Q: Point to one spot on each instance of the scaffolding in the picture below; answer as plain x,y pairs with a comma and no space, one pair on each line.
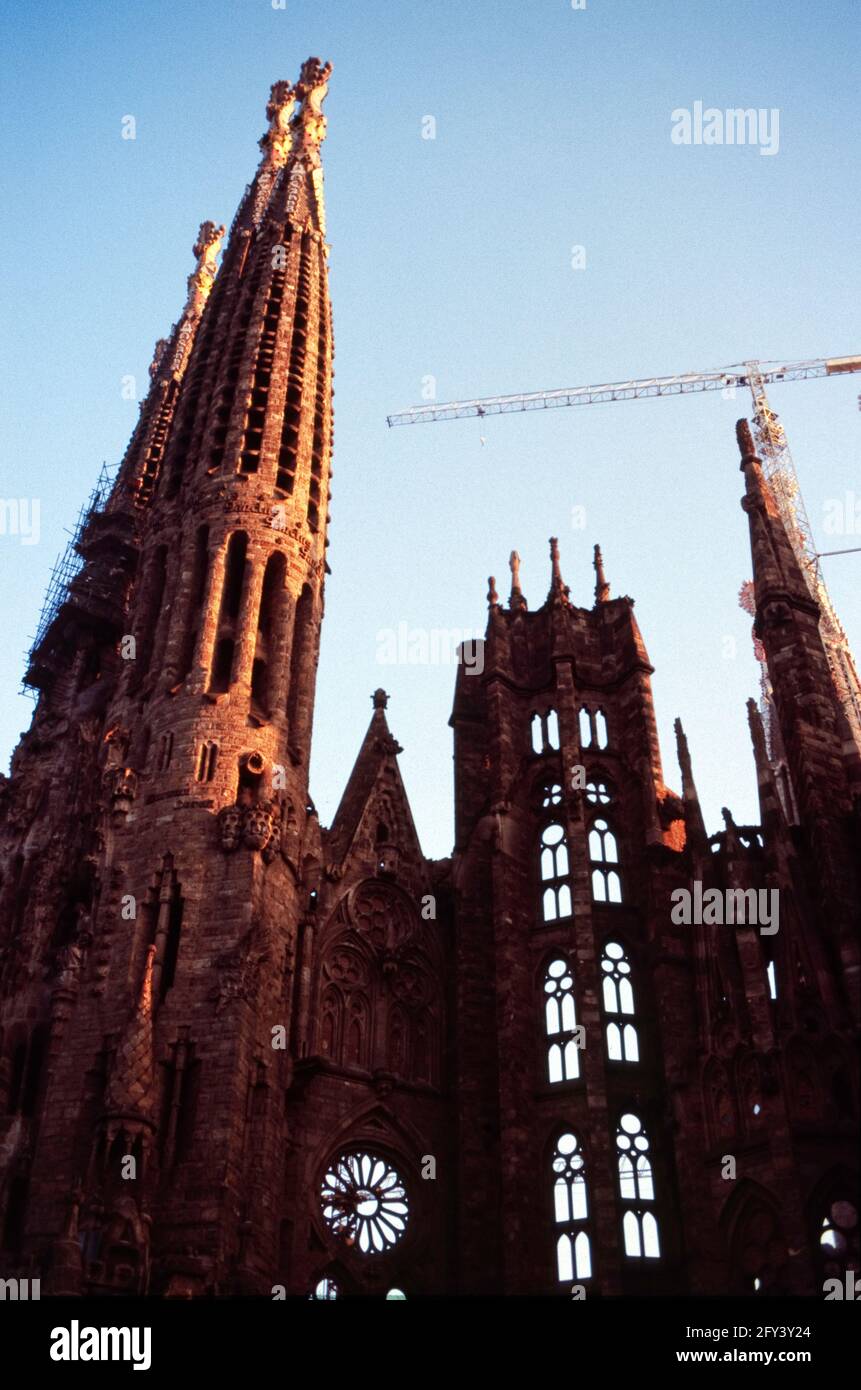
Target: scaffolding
68,565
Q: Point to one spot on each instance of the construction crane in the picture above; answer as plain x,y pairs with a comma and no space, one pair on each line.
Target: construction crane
773,449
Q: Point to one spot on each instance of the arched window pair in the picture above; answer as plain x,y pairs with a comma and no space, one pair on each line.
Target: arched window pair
545,732
640,1235
603,856
560,1014
618,995
555,868
560,1022
571,1210
636,1189
593,728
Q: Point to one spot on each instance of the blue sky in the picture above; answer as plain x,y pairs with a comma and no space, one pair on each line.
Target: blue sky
452,258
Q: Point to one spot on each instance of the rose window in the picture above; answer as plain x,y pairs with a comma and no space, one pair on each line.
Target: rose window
364,1201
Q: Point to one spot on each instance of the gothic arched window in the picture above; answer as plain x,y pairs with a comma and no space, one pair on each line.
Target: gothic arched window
636,1189
556,896
584,720
571,1210
560,1021
618,992
601,736
206,761
603,852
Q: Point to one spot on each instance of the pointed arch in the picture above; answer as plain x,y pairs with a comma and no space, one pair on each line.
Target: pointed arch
753,1234
331,1023
300,656
398,1045
271,621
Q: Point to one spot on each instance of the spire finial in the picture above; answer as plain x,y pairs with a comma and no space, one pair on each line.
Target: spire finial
492,595
278,139
380,699
557,585
694,822
682,748
516,600
747,448
206,249
602,588
309,121
757,735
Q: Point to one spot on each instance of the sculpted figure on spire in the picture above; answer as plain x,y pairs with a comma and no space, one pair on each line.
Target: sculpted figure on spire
206,249
310,122
276,143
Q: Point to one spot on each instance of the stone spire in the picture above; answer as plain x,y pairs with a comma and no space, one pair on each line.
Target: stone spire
602,588
694,823
813,725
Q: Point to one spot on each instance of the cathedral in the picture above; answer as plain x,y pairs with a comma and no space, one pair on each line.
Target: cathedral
242,1053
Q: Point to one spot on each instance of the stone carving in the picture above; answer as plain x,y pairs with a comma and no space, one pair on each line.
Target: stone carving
68,964
257,827
230,827
239,970
276,143
311,123
158,354
116,743
121,785
117,1243
206,249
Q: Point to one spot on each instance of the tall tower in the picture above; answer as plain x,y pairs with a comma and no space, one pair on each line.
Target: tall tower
158,840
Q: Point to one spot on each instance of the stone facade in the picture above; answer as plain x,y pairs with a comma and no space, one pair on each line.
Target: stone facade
241,1051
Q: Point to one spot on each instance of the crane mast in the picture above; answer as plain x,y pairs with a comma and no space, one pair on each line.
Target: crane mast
773,449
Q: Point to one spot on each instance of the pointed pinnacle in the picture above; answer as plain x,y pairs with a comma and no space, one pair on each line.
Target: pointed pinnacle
516,600
682,749
557,586
602,588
